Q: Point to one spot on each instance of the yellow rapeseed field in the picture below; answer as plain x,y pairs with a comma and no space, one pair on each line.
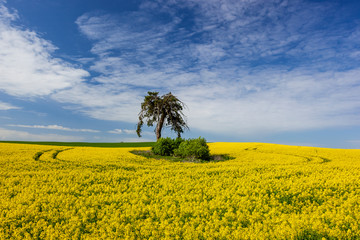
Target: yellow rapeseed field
267,192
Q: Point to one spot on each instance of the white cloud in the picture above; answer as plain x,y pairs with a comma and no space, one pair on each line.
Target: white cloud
121,131
54,127
106,102
27,67
293,100
136,139
7,106
12,135
116,131
5,14
128,131
133,49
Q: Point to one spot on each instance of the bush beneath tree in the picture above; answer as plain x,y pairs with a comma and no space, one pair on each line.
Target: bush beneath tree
191,148
166,146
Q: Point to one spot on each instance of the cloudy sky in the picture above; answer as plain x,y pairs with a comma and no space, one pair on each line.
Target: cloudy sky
248,70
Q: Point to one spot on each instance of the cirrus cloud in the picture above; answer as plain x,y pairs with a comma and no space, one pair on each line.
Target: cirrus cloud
54,127
7,106
13,135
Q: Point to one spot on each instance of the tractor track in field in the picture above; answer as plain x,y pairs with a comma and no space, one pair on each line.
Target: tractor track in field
309,158
54,155
37,155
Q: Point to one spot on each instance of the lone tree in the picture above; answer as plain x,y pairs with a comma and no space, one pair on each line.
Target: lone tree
165,110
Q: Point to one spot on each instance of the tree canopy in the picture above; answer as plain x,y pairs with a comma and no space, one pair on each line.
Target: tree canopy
163,110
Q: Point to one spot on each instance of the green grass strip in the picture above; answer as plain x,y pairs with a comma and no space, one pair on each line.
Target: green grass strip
213,158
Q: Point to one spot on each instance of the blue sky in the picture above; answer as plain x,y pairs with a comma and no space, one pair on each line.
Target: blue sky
262,71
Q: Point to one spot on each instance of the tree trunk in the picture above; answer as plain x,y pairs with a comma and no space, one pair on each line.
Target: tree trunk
159,126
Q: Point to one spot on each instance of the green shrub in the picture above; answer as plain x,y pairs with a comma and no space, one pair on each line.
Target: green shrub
166,146
193,148
177,142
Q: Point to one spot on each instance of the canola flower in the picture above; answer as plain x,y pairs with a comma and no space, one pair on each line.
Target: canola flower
267,192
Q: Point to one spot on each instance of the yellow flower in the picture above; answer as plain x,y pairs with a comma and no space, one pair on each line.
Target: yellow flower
267,191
